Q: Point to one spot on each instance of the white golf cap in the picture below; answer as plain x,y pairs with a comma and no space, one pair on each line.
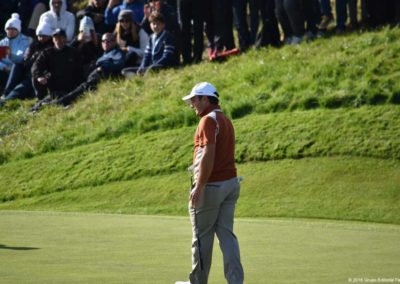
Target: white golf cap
202,89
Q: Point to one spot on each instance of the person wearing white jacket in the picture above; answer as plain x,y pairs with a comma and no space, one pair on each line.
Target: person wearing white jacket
60,18
11,67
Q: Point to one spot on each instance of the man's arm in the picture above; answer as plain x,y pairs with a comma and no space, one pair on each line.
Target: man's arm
205,168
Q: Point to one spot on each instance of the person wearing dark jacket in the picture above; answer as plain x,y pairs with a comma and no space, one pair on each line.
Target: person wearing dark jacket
107,66
87,43
58,70
160,51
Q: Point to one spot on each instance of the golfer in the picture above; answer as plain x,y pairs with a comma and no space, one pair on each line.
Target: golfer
215,188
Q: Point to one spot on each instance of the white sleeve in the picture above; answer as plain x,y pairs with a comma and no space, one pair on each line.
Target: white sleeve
143,40
70,31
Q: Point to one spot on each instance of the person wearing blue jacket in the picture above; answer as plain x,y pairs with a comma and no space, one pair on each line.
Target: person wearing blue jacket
161,49
113,9
24,89
108,65
11,67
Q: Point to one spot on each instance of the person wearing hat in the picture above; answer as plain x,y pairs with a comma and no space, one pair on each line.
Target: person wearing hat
131,38
60,18
215,187
57,70
95,10
11,68
8,7
114,8
87,43
43,40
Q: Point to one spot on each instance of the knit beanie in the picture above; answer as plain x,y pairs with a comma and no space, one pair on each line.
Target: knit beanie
44,29
14,22
86,24
126,15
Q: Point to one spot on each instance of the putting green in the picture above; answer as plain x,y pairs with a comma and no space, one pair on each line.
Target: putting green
46,247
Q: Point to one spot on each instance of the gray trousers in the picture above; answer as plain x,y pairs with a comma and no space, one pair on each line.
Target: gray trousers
214,215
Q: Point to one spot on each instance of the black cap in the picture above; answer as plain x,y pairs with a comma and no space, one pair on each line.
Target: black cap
60,32
126,15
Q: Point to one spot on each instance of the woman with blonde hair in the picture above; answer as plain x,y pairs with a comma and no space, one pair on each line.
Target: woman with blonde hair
131,38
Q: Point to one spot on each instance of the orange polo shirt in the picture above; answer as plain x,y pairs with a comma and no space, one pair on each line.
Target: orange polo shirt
222,135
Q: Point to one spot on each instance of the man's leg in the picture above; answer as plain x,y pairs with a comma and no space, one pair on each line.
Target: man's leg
203,231
224,229
185,17
90,85
240,19
14,78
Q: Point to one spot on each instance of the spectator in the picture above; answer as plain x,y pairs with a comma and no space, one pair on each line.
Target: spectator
191,21
240,16
113,9
108,65
38,7
8,7
254,20
312,14
327,16
160,51
290,15
169,15
60,18
58,70
343,9
382,12
11,67
218,19
131,38
269,34
96,10
24,89
342,15
87,44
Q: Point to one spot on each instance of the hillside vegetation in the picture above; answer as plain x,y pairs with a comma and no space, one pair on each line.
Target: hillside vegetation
317,136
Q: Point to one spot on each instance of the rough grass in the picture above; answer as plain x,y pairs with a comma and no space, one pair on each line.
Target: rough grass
343,72
362,189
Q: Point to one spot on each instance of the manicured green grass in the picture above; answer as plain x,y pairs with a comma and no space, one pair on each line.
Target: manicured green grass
44,248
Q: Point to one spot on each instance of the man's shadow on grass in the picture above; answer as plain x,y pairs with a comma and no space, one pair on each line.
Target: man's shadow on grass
16,248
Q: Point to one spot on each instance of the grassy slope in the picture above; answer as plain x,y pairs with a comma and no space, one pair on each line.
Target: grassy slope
135,135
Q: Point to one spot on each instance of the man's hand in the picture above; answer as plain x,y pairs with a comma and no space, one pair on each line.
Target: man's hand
195,195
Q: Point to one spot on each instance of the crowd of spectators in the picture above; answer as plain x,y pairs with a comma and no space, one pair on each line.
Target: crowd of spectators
53,54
